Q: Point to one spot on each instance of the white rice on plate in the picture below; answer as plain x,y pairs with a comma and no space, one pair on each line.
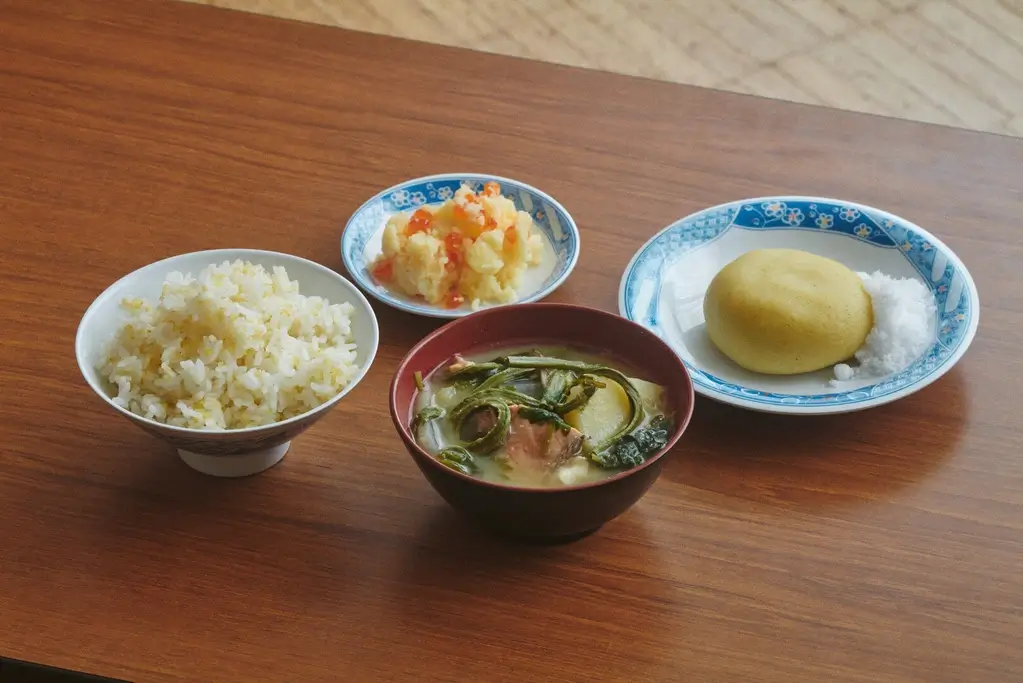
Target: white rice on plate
238,346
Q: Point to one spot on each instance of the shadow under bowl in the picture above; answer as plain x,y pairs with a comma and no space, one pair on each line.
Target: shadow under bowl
544,514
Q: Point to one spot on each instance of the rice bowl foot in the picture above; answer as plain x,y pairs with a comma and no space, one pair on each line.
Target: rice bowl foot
233,466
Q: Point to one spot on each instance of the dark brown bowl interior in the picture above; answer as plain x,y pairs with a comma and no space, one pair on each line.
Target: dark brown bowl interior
543,514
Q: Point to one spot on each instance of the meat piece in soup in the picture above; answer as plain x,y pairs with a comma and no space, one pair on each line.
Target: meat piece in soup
539,418
539,446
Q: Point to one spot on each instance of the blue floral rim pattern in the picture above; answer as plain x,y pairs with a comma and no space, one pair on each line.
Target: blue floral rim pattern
548,215
954,291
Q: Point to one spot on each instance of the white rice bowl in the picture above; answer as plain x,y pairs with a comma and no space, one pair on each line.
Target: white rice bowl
234,347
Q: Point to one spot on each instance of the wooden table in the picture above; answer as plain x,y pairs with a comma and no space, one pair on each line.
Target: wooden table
881,546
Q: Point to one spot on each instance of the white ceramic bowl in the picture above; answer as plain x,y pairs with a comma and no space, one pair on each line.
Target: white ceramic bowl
238,452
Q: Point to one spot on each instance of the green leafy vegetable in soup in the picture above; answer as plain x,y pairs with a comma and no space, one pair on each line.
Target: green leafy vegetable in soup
539,418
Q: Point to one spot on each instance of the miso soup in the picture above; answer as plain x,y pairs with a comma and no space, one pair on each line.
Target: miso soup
546,417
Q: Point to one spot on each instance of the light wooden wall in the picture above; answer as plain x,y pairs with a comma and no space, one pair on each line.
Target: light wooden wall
956,62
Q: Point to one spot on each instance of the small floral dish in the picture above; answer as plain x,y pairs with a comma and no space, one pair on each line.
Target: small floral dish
663,289
231,452
361,241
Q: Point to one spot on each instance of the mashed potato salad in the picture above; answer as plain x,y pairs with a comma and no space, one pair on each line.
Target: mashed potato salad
235,347
472,248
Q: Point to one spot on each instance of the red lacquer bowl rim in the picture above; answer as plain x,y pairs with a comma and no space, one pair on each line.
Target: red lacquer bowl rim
406,436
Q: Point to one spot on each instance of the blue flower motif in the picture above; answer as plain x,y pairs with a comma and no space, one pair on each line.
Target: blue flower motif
773,209
848,214
417,198
888,223
906,246
445,193
400,197
824,221
863,230
793,217
942,289
926,246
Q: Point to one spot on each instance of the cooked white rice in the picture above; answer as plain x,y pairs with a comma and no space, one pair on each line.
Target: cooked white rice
235,347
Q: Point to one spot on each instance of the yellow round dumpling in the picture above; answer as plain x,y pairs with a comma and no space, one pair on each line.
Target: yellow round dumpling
785,311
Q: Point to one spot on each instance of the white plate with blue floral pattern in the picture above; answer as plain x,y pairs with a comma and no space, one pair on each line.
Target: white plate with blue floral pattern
361,239
664,285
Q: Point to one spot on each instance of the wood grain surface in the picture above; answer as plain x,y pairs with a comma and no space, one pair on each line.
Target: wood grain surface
955,62
880,546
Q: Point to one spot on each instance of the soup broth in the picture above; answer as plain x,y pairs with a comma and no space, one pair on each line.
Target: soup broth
539,417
